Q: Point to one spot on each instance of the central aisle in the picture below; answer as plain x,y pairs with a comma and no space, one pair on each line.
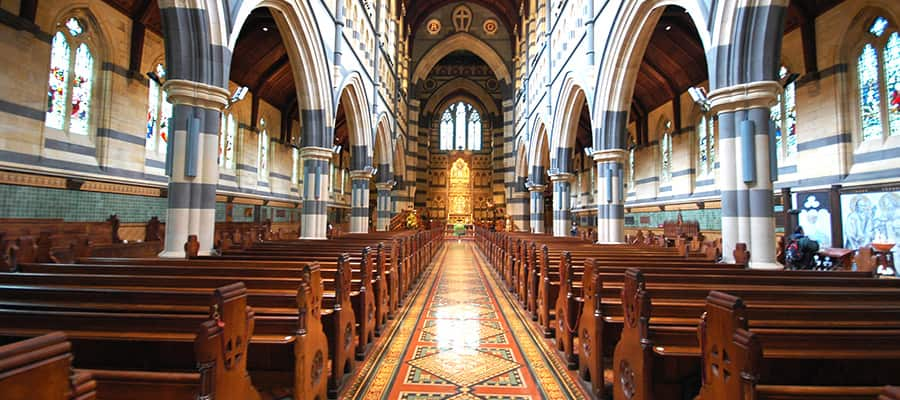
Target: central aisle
461,337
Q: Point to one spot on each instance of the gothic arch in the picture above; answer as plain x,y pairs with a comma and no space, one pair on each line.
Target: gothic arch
383,151
461,41
538,154
301,39
356,107
624,53
439,97
565,122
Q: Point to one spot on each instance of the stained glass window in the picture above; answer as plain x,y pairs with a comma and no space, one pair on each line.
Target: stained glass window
784,114
630,168
460,137
263,150
447,131
879,62
869,96
71,80
460,128
665,146
878,26
892,80
474,139
159,111
295,166
59,82
226,141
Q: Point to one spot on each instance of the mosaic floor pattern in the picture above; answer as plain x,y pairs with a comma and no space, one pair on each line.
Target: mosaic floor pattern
461,337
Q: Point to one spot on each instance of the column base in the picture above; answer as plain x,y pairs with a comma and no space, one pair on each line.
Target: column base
773,266
609,243
172,254
312,238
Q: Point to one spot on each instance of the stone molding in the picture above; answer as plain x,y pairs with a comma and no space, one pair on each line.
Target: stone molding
611,155
762,94
361,174
180,91
537,188
316,153
562,177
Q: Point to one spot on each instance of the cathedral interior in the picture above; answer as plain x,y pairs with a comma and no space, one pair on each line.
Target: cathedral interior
191,126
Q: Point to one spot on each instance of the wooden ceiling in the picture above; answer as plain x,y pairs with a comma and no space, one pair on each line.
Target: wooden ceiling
261,63
674,61
800,11
417,11
143,11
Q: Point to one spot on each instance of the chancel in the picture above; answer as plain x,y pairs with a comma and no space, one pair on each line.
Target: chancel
449,199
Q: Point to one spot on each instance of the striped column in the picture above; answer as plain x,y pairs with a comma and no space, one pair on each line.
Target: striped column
359,201
191,165
745,170
384,206
517,206
316,189
562,203
537,208
610,195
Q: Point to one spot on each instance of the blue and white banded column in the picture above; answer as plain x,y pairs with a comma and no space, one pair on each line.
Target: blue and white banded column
383,206
562,203
610,195
537,208
359,201
316,189
747,170
192,164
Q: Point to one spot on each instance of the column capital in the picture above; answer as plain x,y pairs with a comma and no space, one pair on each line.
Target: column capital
610,155
361,174
384,185
761,94
537,188
180,91
318,153
562,177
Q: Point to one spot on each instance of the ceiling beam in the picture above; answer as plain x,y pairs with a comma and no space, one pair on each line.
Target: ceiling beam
264,77
138,31
28,10
807,36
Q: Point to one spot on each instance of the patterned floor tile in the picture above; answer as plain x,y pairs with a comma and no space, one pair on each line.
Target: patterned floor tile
464,368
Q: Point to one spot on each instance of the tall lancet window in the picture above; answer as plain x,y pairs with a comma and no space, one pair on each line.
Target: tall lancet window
159,111
461,128
70,88
878,81
665,147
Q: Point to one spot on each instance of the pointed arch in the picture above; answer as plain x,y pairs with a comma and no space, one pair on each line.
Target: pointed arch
462,41
307,56
565,122
624,53
383,155
538,154
356,106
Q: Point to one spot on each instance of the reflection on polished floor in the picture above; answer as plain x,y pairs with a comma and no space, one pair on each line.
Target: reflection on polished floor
461,338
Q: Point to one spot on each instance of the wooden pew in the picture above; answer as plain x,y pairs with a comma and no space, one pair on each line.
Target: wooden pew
659,349
219,340
733,356
273,292
40,368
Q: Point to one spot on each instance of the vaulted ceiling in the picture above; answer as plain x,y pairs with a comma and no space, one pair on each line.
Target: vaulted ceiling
143,11
261,62
674,61
417,11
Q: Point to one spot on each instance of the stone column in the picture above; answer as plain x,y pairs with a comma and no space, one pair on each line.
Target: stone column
537,208
192,164
384,206
746,171
517,205
359,201
562,203
316,191
610,195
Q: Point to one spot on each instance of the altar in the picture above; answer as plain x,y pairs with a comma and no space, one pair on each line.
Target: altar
459,193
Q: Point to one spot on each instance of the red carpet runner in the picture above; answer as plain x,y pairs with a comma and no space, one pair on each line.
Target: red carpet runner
461,337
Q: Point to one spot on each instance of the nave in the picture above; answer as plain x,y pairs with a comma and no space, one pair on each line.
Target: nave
463,337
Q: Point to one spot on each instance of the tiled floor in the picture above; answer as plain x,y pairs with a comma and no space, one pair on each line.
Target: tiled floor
460,337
